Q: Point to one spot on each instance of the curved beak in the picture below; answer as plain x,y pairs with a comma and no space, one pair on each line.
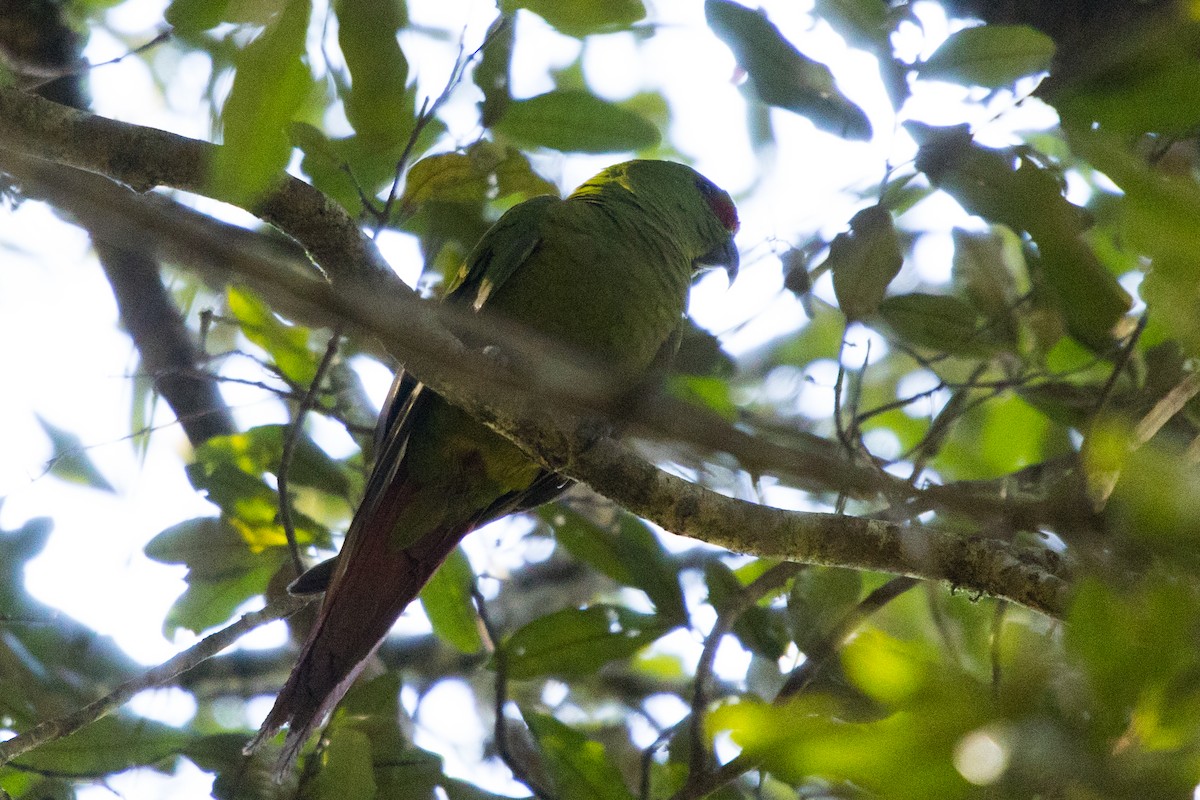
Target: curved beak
724,255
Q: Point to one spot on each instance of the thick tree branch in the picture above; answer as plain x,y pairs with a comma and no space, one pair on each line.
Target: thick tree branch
158,331
513,397
144,158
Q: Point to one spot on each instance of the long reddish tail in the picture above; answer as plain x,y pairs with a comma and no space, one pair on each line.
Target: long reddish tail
369,591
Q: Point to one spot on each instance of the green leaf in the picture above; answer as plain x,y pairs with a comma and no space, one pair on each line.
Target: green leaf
447,601
208,546
346,767
626,551
819,598
110,744
990,55
863,23
575,121
1016,187
580,766
938,322
286,344
575,642
864,261
492,73
449,177
760,629
206,603
580,17
70,461
260,450
984,270
193,16
377,103
272,81
781,75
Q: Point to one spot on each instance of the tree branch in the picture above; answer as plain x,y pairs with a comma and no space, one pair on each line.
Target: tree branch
156,676
144,158
533,398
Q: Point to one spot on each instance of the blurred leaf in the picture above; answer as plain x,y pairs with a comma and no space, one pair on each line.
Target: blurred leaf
580,766
863,23
580,17
781,75
70,461
492,73
346,767
819,598
286,344
626,551
990,55
1145,80
983,270
224,571
270,85
575,121
711,393
700,354
447,602
110,744
516,176
193,16
938,322
576,642
864,261
1014,187
207,546
377,105
761,630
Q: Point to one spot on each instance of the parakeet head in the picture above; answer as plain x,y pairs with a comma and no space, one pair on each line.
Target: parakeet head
692,208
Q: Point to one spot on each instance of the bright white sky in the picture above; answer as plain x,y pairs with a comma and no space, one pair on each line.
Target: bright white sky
68,362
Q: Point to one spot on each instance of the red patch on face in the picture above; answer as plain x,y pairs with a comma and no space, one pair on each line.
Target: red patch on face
722,207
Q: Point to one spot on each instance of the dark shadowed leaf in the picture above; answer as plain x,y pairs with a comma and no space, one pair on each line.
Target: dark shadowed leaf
625,550
492,74
760,629
578,641
937,322
863,23
783,76
110,744
864,261
580,766
1018,188
990,55
576,121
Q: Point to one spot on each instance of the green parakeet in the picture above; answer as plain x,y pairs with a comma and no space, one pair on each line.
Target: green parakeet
606,271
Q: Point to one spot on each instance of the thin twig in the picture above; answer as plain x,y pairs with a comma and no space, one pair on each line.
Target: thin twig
500,734
799,679
289,448
764,584
165,672
426,115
